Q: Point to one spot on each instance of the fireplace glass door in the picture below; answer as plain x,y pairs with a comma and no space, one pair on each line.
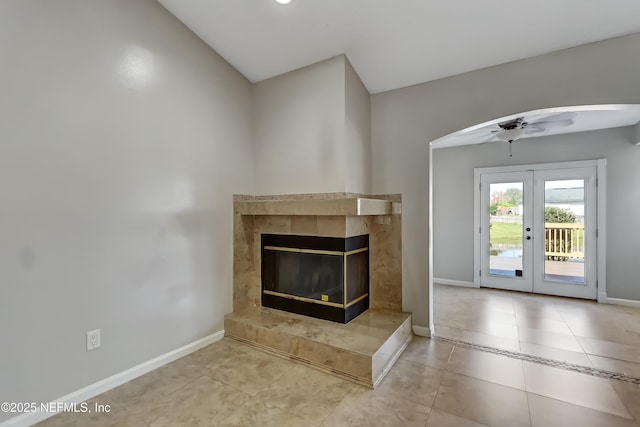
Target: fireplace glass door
323,277
316,276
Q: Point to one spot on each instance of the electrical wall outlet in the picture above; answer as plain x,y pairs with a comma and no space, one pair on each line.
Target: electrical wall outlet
93,340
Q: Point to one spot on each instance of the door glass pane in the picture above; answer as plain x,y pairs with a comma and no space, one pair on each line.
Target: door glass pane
505,229
564,231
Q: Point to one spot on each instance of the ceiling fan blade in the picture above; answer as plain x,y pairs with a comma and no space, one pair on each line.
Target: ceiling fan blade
530,131
551,124
567,115
490,139
484,130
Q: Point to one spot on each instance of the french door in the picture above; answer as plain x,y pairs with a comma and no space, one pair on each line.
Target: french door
538,231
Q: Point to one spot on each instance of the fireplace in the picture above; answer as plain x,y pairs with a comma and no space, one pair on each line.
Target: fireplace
322,277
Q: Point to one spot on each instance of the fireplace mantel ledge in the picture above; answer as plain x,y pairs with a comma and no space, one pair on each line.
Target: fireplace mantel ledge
356,206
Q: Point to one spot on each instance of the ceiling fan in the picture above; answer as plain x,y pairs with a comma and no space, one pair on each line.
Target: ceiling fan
514,129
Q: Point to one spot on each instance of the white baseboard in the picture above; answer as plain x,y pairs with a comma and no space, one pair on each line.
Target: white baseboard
455,283
625,302
422,331
113,381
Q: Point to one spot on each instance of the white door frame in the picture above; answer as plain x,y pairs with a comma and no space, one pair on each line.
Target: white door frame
601,221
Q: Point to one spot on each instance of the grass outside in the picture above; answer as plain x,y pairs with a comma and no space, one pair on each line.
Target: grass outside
503,233
509,233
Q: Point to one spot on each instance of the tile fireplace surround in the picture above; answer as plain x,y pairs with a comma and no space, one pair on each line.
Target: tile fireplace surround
362,350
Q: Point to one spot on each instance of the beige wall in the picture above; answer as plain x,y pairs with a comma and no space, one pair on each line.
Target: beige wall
454,211
405,120
358,133
313,131
299,130
122,139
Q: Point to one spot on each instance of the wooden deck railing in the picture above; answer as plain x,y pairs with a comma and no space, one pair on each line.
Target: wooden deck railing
563,241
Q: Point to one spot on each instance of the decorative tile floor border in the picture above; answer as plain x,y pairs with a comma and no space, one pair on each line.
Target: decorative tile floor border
601,373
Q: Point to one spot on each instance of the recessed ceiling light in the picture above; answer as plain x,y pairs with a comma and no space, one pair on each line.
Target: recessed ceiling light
284,1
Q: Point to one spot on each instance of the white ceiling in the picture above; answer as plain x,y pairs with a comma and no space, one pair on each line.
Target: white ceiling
397,43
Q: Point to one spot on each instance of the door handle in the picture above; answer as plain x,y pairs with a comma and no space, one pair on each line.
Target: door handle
528,237
528,229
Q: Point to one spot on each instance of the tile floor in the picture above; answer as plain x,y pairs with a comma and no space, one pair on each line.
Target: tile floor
432,384
574,331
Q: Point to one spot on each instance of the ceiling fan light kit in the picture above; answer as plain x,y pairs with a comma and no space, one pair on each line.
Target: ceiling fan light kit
510,135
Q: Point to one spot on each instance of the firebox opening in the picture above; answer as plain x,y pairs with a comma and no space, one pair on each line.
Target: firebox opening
322,277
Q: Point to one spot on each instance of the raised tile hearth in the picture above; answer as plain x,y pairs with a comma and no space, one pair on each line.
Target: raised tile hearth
361,351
